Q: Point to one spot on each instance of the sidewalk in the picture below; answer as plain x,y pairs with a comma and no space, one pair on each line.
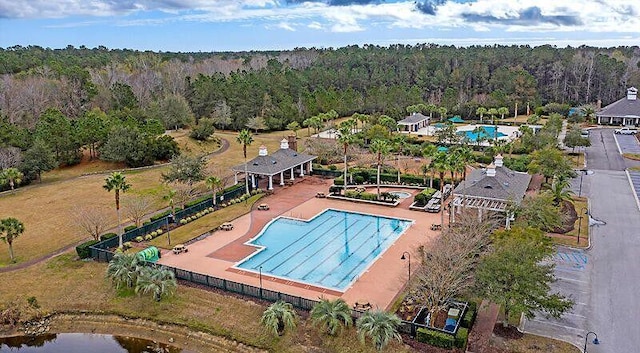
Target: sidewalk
483,328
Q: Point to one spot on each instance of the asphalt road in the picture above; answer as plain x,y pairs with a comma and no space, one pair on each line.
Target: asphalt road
605,287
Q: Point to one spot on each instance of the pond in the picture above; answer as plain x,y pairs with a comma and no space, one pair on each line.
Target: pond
84,342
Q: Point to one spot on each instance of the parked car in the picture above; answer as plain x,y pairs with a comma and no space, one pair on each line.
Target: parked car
626,131
584,133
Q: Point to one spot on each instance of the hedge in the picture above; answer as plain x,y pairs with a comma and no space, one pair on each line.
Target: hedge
361,195
424,196
460,339
470,316
106,236
435,338
131,227
83,249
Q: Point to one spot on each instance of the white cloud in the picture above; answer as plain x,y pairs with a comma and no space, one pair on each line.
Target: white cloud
315,25
286,26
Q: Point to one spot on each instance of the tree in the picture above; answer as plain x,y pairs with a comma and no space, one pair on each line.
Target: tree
493,112
481,111
203,130
128,145
256,123
388,122
214,184
448,269
118,183
550,162
380,326
175,111
381,148
38,159
502,111
222,115
574,138
294,127
137,208
10,229
346,138
539,211
440,163
278,317
55,128
158,281
516,276
430,151
92,220
185,169
560,191
245,139
331,315
11,176
123,269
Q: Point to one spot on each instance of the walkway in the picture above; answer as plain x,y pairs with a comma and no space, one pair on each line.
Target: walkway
482,330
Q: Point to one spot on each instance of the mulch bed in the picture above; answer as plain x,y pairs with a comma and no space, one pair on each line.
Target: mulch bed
510,332
570,214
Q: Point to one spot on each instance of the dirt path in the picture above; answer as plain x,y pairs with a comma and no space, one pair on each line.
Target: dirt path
224,146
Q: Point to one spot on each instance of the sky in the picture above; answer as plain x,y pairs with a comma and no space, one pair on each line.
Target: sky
242,25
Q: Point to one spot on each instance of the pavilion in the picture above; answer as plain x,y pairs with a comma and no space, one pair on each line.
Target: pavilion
283,163
413,123
492,189
625,111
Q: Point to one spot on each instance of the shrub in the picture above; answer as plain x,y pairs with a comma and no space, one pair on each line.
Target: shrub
154,234
127,245
338,181
189,219
435,338
333,167
148,237
210,209
106,236
131,227
358,179
159,231
470,316
460,339
139,239
83,249
183,221
198,215
145,223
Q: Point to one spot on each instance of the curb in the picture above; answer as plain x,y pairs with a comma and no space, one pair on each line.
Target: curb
633,189
617,144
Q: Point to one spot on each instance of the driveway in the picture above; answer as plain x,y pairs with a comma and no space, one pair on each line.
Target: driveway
605,289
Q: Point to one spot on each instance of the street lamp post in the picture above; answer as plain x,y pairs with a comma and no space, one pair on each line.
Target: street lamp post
582,173
583,210
409,258
260,274
595,340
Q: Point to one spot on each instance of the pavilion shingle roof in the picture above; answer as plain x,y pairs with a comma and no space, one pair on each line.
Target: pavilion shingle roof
506,185
621,108
274,163
413,119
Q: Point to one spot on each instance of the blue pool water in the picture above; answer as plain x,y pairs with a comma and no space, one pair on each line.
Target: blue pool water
331,250
487,133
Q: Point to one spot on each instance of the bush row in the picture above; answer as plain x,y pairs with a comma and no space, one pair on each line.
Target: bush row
361,195
443,340
469,317
424,196
83,249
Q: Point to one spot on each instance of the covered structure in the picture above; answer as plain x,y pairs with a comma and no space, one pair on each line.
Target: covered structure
456,120
283,164
491,189
625,111
413,123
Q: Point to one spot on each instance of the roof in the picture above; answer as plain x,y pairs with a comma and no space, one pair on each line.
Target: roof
413,119
274,163
622,108
456,119
506,185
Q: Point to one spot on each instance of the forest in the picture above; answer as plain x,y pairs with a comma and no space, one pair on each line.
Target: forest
61,100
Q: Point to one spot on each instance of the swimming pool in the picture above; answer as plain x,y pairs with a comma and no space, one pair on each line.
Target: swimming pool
330,250
486,133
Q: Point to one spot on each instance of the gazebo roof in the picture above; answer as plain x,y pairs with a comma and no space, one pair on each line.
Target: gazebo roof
506,185
456,119
274,163
623,108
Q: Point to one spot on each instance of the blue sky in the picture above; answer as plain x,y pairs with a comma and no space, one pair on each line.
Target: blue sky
234,25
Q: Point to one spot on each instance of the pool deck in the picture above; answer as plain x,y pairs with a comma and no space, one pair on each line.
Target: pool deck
379,284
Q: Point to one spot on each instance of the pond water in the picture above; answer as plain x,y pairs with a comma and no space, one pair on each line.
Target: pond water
82,343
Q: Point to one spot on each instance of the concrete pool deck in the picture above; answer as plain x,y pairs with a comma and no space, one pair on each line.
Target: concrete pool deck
379,284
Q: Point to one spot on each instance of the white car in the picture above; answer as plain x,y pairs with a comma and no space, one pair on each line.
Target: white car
626,131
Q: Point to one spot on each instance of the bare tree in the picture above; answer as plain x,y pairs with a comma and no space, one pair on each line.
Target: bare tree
92,220
184,193
10,157
136,208
447,269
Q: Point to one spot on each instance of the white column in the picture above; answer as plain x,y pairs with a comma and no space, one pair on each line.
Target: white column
235,178
302,169
292,177
310,167
479,214
282,178
253,181
270,182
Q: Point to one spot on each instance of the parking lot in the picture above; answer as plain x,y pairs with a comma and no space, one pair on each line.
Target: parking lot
634,176
572,273
628,143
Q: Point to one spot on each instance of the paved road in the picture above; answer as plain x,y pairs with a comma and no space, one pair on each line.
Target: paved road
628,143
606,288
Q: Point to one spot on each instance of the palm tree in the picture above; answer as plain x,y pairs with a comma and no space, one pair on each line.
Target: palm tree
440,163
399,143
346,138
245,138
294,127
493,112
479,131
503,111
381,148
118,183
10,229
388,122
443,113
380,326
123,269
430,108
481,111
307,123
560,191
213,183
279,316
158,281
429,152
331,315
11,176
